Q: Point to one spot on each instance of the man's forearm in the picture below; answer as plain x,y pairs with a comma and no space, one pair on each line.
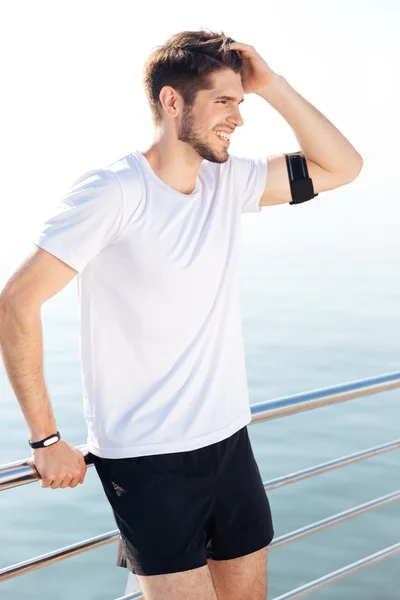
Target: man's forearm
319,140
21,349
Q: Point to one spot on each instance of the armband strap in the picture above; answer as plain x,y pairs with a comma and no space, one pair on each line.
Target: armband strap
301,186
49,441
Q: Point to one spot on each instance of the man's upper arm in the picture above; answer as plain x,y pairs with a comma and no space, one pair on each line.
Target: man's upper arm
40,276
277,188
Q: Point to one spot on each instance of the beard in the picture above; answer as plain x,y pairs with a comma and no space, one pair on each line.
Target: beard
187,133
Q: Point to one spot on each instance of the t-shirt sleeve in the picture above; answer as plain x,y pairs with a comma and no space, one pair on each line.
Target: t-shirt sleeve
88,218
250,176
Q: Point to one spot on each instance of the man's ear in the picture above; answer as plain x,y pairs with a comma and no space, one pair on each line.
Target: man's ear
171,101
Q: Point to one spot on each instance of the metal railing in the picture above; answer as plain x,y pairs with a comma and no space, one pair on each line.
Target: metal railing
23,472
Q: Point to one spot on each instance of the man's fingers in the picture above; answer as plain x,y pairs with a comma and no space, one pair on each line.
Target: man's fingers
245,48
46,482
57,483
50,482
62,483
74,482
65,482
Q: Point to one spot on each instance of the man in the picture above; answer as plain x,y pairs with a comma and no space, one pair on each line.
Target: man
154,240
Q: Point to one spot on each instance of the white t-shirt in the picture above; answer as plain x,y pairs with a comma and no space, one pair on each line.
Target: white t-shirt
161,346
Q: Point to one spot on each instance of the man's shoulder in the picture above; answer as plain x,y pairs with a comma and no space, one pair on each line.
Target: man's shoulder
131,180
124,165
128,172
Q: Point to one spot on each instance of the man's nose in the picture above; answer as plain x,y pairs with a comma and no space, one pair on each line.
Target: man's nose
236,118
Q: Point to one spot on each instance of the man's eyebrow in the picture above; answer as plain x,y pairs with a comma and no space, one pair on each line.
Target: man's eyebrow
228,98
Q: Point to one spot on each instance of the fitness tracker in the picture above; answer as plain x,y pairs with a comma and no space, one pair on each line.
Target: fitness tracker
49,441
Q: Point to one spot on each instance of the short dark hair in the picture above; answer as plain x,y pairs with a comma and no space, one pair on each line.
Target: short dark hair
185,62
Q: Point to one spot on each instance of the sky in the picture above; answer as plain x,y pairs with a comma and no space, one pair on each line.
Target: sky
73,99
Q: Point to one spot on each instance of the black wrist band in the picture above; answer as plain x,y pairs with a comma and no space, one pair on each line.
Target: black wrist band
49,441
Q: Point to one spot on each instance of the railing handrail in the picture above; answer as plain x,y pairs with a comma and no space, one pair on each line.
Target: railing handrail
289,405
23,472
329,465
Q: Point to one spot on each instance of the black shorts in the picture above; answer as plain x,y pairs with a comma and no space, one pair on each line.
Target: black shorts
176,510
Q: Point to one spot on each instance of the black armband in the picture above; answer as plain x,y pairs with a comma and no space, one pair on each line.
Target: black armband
301,185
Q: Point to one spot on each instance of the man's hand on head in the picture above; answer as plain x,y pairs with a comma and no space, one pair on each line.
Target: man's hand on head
256,74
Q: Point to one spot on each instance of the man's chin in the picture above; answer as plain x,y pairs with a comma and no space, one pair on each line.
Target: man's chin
220,157
223,158
207,152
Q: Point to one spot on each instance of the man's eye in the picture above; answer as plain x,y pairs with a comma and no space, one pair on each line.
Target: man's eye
222,101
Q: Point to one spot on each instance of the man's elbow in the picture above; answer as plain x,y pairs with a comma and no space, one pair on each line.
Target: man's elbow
356,169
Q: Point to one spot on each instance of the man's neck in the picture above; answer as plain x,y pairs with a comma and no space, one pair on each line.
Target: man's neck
174,165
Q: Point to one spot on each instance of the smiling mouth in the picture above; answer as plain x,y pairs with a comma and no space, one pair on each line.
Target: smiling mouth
223,140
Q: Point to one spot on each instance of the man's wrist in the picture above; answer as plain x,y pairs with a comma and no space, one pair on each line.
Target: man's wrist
37,435
273,87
